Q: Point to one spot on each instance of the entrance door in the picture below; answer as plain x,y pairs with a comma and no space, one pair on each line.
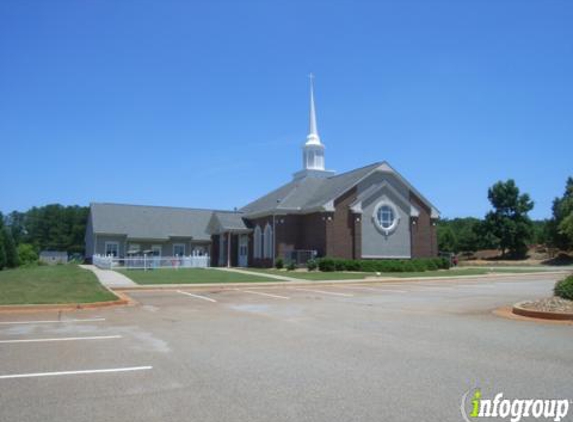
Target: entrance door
243,250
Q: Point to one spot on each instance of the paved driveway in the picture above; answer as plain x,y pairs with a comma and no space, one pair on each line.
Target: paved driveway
384,352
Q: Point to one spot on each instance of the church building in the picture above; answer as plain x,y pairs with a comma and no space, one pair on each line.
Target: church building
368,213
371,212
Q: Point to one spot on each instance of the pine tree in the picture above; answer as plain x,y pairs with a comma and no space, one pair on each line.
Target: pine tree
10,249
2,249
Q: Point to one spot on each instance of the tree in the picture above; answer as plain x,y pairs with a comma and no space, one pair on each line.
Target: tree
446,239
560,227
2,243
464,235
566,227
27,254
10,249
52,227
509,223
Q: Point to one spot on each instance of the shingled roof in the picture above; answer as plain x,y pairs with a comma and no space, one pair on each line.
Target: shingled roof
224,221
150,222
306,193
311,194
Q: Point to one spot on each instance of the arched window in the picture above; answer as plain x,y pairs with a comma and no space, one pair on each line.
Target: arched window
258,243
268,242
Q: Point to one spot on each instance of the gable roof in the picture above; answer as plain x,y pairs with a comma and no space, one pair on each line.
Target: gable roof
150,222
312,194
223,221
306,193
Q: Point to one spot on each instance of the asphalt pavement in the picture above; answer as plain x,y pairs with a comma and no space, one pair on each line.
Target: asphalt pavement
397,351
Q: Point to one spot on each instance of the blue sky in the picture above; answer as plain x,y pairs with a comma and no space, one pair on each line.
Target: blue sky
205,104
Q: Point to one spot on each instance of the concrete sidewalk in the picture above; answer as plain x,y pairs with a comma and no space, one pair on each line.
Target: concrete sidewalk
241,271
110,278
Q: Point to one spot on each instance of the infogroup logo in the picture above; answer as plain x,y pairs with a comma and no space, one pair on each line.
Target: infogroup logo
474,406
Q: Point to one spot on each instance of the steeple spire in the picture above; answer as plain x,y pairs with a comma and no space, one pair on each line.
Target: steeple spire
312,137
313,150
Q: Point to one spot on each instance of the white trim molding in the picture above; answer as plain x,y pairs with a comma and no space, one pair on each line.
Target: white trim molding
386,230
386,257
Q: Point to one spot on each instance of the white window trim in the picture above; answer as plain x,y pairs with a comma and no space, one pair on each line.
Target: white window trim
111,242
386,230
179,244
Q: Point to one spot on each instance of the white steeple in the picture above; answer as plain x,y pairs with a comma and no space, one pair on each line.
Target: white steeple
313,150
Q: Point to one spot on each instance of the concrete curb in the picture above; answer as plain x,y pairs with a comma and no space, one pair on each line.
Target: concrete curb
286,284
122,301
518,309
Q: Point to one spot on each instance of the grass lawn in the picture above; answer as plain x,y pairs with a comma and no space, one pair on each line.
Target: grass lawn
341,275
51,284
191,276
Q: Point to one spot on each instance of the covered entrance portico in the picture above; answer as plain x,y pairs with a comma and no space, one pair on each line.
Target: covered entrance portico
232,249
230,240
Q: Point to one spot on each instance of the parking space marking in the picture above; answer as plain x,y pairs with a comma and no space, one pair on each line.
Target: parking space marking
373,289
40,340
324,293
263,294
208,299
52,321
84,372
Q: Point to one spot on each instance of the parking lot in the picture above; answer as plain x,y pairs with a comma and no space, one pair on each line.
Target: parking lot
397,351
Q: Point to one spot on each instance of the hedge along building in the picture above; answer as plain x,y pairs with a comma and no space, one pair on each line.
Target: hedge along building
367,213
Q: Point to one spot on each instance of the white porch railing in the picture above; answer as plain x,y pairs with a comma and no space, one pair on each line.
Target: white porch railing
144,262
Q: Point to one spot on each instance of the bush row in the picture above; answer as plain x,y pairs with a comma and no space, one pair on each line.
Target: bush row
383,266
564,288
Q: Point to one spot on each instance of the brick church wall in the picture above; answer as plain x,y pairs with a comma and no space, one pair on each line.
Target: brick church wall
424,237
340,230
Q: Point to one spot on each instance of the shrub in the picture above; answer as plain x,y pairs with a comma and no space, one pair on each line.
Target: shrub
564,288
279,263
311,264
27,254
383,266
291,266
326,264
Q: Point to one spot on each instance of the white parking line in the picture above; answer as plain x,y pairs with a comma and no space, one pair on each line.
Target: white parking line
53,321
39,340
90,371
264,294
324,293
208,299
